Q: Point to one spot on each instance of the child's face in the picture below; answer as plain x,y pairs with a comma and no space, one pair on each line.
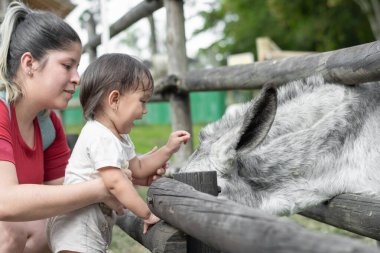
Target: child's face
132,106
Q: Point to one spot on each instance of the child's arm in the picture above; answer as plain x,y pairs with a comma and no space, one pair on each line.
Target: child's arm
148,164
122,188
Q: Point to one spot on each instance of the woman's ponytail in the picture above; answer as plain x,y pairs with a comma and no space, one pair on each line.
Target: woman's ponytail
15,14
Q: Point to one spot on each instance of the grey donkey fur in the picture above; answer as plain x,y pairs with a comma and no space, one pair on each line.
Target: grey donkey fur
295,147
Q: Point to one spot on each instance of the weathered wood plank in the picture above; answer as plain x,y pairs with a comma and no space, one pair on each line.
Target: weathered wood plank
206,182
358,214
230,227
351,65
144,9
161,238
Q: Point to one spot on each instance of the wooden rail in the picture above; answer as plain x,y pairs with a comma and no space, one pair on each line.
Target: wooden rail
229,227
142,10
353,65
358,214
161,238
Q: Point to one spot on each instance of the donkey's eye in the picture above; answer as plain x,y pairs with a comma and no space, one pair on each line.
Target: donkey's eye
201,136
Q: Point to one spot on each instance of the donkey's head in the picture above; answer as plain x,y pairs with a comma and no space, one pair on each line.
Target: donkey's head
224,142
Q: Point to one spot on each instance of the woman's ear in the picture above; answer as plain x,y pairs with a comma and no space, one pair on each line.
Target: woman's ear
113,99
26,63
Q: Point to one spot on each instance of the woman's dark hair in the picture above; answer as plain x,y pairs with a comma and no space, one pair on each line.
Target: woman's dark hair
24,30
111,72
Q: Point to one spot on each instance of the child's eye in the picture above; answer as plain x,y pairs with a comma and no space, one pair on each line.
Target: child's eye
67,66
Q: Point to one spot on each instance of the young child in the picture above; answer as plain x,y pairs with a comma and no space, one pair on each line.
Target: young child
113,93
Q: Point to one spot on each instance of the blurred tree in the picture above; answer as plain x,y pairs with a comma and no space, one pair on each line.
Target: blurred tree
315,25
372,10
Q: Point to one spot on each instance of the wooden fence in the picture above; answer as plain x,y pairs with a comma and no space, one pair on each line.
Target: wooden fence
223,225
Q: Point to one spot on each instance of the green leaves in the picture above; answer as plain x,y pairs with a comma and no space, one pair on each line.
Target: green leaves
315,25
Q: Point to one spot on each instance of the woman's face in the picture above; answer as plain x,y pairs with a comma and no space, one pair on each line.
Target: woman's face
55,78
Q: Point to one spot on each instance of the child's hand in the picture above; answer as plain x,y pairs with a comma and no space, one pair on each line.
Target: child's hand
152,219
176,139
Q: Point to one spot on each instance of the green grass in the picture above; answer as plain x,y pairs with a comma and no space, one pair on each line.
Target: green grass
145,138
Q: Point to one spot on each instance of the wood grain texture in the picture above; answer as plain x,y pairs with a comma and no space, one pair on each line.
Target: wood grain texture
351,65
161,238
355,213
233,228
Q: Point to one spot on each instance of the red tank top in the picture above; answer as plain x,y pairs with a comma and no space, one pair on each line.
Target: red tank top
33,165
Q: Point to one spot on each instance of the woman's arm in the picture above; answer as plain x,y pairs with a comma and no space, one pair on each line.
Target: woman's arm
58,181
24,202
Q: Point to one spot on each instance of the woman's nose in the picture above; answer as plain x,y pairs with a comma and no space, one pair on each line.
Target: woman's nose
75,78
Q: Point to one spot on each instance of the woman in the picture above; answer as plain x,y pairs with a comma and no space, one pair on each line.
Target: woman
40,54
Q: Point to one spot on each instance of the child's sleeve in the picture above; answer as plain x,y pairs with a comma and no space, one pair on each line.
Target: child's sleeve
106,151
129,147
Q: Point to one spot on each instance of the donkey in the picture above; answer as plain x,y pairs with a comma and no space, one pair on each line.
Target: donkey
296,146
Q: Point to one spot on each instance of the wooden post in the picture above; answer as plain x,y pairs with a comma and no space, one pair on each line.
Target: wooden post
3,9
204,182
153,37
177,65
267,50
91,33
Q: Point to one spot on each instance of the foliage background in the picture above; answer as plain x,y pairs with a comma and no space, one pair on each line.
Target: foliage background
313,25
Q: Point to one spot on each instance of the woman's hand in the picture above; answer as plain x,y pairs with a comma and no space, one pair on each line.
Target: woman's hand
159,172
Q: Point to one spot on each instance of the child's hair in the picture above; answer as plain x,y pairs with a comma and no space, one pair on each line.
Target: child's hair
111,72
24,30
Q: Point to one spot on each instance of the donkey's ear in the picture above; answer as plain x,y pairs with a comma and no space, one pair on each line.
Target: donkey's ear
258,119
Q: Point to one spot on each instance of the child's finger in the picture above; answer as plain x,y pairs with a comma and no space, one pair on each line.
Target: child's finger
145,228
185,138
182,133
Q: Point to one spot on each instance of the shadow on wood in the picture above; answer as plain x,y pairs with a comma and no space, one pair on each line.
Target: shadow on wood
233,228
161,238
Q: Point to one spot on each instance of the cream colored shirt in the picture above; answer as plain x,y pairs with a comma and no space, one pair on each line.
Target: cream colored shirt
97,147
